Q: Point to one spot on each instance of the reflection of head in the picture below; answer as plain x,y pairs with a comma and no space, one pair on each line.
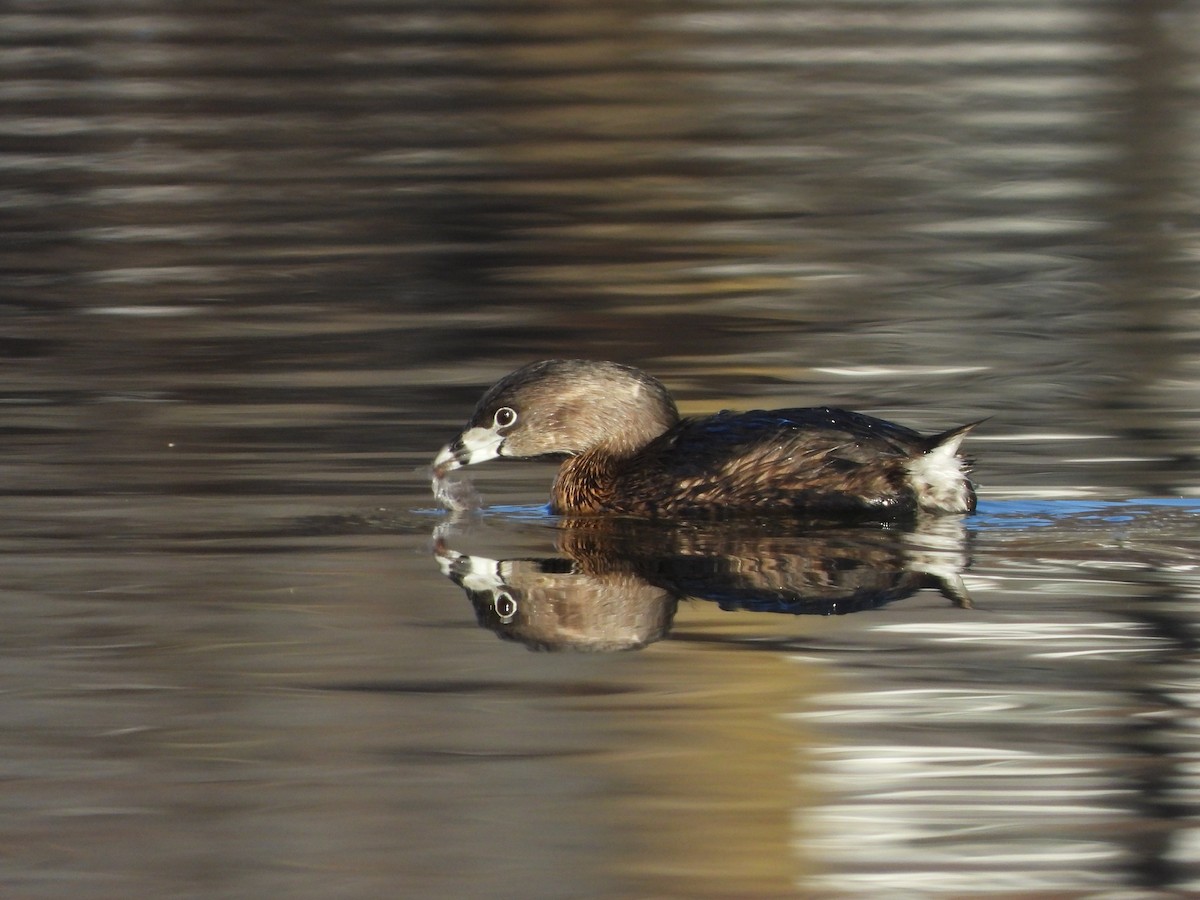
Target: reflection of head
548,605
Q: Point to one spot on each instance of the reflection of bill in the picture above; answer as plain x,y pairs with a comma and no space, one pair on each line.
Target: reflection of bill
616,583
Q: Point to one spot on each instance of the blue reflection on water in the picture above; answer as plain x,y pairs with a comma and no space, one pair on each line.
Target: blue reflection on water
1011,514
1007,514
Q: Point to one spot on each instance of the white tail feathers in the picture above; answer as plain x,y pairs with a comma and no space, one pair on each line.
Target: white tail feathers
939,475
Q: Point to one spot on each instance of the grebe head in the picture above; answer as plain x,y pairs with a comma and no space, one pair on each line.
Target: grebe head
562,407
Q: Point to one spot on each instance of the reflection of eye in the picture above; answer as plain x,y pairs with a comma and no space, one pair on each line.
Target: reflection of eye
506,606
505,416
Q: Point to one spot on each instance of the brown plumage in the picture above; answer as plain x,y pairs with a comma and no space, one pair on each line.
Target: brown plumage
629,453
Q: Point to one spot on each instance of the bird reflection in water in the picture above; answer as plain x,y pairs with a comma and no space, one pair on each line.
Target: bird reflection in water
614,584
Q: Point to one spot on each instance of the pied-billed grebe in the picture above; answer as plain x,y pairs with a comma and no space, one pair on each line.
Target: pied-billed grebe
629,453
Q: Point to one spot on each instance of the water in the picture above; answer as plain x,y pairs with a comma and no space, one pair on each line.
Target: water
259,263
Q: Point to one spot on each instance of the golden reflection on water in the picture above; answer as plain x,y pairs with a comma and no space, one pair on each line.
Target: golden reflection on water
711,772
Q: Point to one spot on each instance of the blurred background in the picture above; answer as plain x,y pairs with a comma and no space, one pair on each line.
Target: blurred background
935,210
260,260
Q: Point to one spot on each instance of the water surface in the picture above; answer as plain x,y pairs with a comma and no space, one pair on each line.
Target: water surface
259,263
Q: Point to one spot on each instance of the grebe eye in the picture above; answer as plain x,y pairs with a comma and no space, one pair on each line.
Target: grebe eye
505,417
505,606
